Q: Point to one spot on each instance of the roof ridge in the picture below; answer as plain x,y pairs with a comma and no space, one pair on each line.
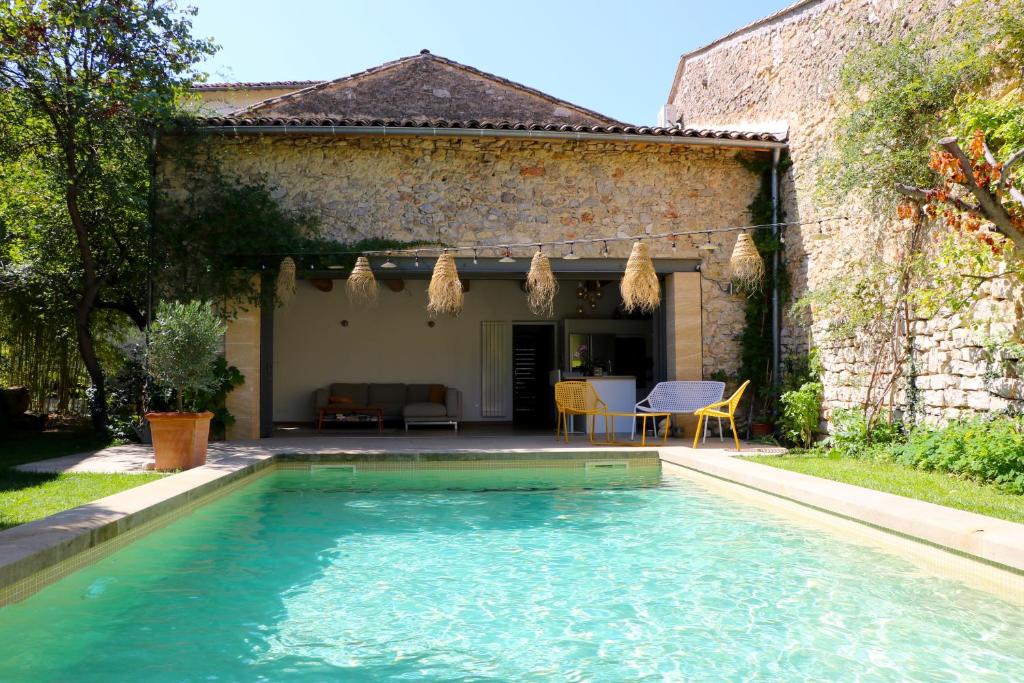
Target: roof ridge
427,55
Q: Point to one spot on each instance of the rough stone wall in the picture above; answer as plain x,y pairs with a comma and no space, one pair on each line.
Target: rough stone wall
786,69
487,191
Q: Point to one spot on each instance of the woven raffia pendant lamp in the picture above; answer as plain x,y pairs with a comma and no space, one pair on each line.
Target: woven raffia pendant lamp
362,285
286,279
746,263
445,291
541,286
640,288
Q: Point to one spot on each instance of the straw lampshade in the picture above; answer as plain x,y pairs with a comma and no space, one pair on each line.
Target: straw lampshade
541,286
640,289
286,279
445,290
362,285
746,263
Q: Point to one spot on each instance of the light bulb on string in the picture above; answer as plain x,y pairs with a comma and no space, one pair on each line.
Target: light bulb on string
571,256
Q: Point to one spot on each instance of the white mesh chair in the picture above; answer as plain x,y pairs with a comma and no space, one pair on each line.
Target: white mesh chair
681,397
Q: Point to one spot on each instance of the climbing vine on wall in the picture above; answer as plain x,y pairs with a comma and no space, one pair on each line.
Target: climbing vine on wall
756,337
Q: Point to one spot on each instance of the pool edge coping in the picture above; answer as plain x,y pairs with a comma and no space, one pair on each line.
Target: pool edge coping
988,539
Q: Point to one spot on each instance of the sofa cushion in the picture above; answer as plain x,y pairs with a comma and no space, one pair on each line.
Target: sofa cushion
357,393
417,393
426,409
387,394
437,393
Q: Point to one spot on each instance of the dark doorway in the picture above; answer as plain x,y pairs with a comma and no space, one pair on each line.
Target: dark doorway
533,360
631,359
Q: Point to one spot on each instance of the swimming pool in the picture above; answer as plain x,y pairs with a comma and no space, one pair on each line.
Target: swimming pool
553,574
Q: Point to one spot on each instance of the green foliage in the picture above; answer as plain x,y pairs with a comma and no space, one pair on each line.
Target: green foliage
801,413
83,86
756,338
904,94
226,378
854,434
185,340
985,450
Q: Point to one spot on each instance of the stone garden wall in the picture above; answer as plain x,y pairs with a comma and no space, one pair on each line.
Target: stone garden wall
486,191
784,71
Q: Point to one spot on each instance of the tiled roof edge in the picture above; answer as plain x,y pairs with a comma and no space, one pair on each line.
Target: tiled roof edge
321,122
253,85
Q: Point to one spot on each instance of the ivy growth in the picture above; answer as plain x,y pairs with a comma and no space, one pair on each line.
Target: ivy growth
756,338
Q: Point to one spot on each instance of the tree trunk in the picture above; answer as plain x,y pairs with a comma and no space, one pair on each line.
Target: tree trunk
87,349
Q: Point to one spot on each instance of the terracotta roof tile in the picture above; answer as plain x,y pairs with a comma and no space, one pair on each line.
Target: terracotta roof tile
328,122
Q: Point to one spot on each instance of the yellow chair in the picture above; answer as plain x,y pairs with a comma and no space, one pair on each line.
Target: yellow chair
726,409
577,398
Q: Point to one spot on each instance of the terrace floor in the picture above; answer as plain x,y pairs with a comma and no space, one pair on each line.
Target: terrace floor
471,439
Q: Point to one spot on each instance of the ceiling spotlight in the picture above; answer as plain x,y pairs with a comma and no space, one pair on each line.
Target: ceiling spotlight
571,256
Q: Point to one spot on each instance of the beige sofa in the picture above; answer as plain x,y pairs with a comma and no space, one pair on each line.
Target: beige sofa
413,404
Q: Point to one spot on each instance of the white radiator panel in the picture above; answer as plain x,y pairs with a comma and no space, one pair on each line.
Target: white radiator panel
496,361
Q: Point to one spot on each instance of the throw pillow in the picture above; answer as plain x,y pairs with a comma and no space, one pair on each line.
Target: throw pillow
437,393
339,400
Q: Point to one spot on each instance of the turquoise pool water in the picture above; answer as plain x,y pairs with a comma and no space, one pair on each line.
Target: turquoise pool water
483,576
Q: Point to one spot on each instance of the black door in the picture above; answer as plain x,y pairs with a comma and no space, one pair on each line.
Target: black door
533,359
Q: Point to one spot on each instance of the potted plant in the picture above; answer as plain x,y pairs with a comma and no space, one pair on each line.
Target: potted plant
185,339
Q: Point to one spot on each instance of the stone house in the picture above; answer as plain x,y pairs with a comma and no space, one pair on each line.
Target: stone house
427,149
782,73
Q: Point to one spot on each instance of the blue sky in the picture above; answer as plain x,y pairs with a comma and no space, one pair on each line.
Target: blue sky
615,57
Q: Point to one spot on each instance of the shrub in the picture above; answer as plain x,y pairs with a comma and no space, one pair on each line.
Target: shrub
185,340
225,379
852,436
990,451
801,413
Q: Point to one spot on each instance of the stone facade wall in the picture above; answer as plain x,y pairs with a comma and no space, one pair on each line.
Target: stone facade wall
785,70
487,191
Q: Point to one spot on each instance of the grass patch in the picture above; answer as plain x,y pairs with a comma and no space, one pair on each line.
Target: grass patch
933,487
27,496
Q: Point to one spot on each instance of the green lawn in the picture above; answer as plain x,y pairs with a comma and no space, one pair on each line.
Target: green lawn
25,496
933,487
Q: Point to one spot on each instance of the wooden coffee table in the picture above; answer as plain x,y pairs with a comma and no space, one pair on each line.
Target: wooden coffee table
343,410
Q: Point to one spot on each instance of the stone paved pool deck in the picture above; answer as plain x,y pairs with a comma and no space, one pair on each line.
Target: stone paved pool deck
139,457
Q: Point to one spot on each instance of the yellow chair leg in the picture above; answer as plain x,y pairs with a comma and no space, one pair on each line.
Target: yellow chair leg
735,436
558,425
696,437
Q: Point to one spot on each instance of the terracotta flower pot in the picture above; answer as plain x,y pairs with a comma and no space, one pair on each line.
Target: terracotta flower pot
179,439
761,429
